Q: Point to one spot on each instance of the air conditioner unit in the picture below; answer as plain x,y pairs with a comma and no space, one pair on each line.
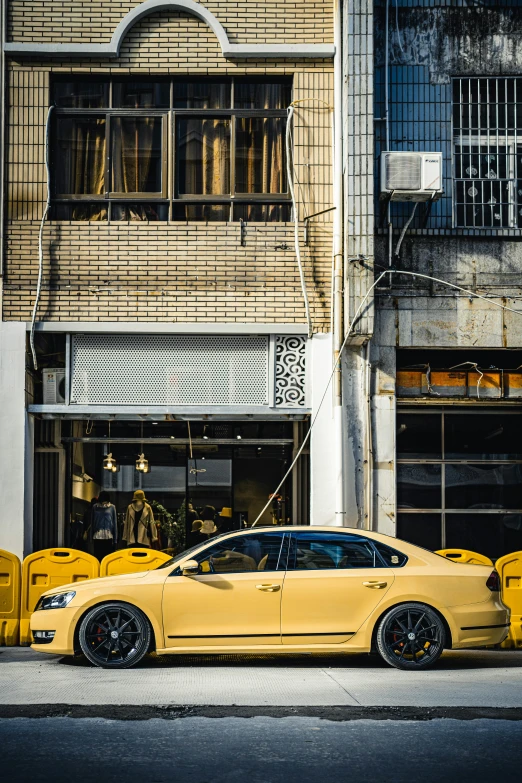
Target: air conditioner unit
53,386
411,176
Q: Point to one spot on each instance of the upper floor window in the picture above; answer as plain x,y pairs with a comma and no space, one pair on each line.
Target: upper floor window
178,149
487,129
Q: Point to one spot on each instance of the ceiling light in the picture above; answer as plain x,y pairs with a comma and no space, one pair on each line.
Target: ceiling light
142,464
109,463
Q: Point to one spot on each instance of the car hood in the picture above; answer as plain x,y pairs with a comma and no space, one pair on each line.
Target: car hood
104,581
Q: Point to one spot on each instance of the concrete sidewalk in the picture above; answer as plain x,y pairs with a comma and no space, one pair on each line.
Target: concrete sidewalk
460,679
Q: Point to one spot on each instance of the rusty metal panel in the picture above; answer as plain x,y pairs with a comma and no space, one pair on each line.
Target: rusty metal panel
410,383
512,384
447,383
487,384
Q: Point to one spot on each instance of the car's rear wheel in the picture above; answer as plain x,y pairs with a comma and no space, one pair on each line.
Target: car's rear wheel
115,635
411,636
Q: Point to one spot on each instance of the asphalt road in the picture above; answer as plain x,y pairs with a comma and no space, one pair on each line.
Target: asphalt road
257,750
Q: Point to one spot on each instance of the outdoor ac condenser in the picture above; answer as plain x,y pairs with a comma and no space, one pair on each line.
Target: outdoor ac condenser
53,386
411,176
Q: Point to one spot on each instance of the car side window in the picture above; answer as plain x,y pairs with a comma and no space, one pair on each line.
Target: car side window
252,552
312,551
390,557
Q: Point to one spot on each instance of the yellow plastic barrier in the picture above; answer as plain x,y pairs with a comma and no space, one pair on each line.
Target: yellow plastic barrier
50,568
126,561
9,598
510,569
465,556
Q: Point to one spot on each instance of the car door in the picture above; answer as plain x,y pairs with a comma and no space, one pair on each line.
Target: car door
333,583
235,599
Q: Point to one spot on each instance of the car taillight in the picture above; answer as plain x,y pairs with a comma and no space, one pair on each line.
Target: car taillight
493,582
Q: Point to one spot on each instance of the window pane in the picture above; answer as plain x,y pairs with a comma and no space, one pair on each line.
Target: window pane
80,211
312,551
419,436
203,156
419,486
201,95
484,486
390,556
260,155
257,95
243,553
79,156
263,213
81,95
136,155
420,529
483,436
150,212
141,95
489,534
209,212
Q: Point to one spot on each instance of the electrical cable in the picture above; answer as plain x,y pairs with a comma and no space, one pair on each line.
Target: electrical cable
387,271
403,232
40,236
334,370
397,26
296,221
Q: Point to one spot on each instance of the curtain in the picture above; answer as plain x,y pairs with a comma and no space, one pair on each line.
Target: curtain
80,163
136,155
204,156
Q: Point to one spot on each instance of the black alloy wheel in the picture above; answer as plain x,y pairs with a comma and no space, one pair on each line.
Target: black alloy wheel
115,636
411,636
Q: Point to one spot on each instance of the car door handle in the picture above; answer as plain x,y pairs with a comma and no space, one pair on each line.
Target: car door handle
269,588
375,585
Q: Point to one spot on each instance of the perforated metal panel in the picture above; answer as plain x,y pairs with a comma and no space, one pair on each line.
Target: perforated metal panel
169,370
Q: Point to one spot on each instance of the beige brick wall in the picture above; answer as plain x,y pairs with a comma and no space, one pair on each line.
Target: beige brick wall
176,271
256,21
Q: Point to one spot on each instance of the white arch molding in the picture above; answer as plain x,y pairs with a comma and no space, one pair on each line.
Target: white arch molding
148,7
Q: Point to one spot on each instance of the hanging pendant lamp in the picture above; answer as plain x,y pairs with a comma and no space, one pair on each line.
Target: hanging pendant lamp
109,463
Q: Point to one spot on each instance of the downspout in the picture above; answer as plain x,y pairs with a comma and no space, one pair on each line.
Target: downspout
337,276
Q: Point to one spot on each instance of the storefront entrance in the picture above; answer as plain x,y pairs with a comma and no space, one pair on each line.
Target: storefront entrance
188,471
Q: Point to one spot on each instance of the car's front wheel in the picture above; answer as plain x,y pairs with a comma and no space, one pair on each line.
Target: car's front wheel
411,636
115,635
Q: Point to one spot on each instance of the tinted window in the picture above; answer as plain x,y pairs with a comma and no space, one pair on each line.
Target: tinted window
391,557
311,551
255,552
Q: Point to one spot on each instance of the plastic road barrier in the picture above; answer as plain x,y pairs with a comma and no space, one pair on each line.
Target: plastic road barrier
510,569
126,561
50,568
465,556
10,576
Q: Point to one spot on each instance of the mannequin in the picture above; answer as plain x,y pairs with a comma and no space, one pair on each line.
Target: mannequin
139,529
104,526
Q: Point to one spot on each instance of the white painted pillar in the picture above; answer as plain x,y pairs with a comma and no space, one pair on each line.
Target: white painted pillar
324,468
15,443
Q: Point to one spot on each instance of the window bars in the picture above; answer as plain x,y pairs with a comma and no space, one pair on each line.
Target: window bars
487,152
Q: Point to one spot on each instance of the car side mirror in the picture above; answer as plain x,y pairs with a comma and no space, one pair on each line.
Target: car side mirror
190,568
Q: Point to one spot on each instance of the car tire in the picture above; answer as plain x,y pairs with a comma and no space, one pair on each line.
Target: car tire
411,636
115,635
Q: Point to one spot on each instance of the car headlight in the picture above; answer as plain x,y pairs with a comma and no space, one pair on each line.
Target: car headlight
58,601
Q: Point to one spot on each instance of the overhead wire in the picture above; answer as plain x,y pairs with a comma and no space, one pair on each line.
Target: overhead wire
387,271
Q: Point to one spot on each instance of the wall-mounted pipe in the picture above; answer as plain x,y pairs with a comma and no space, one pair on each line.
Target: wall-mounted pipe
337,263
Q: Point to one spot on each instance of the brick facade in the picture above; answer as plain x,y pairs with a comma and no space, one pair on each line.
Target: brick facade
166,271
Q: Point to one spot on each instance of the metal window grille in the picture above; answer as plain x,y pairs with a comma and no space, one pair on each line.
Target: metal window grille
487,152
169,370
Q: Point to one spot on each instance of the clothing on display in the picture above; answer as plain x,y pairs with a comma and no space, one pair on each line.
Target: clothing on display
139,528
104,527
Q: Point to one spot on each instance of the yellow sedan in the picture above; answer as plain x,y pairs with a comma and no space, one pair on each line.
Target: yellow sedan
280,590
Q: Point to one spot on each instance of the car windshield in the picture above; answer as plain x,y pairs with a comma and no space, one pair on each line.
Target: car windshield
182,555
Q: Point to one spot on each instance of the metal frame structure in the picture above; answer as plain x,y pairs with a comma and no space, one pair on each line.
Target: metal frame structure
170,195
487,124
443,462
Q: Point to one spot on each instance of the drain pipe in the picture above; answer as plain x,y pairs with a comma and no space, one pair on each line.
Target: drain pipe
337,276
